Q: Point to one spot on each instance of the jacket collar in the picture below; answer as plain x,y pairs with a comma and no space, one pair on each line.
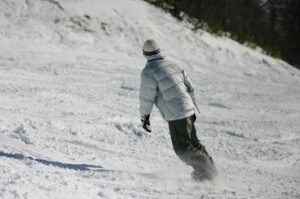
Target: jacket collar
154,57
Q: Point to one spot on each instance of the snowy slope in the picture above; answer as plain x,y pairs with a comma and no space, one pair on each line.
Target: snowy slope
69,121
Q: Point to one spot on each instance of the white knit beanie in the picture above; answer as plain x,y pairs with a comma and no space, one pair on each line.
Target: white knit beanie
150,48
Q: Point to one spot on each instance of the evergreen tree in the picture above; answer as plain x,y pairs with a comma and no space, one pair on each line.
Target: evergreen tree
274,25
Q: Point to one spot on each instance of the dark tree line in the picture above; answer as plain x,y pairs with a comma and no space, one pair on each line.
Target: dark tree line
273,25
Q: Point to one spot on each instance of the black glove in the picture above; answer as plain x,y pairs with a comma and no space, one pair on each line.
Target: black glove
194,117
146,122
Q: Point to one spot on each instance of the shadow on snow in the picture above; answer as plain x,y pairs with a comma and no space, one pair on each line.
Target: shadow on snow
78,167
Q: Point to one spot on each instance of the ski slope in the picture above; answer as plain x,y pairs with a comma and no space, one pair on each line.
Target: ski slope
69,119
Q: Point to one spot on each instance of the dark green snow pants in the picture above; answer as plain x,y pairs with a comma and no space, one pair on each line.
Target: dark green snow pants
189,149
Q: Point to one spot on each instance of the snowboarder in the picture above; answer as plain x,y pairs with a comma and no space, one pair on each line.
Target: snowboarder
167,86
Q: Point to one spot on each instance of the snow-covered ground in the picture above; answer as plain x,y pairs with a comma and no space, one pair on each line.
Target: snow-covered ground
69,120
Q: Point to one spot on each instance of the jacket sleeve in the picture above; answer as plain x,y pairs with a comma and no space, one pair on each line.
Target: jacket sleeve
189,85
148,92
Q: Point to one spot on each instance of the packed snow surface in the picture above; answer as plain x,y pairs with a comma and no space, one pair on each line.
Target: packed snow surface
69,119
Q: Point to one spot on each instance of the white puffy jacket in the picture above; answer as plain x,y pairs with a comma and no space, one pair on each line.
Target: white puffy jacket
164,84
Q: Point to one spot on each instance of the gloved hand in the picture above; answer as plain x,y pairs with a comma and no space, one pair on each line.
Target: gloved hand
146,122
194,117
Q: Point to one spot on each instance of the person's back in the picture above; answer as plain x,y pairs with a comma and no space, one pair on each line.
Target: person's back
171,95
